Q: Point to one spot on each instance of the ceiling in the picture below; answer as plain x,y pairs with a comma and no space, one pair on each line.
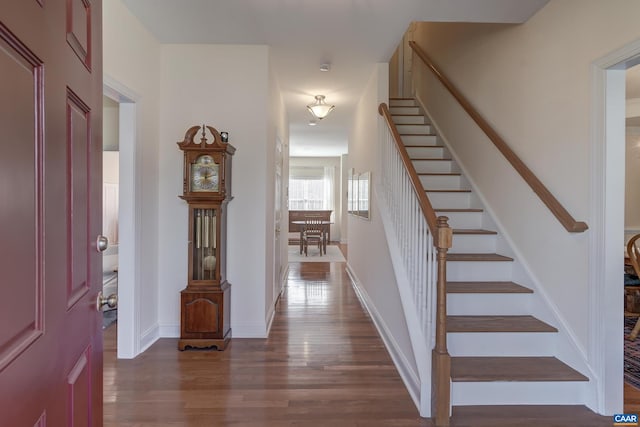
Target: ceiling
351,35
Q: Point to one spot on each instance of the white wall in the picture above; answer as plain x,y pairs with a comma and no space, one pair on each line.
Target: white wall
110,168
225,87
368,252
131,56
110,124
532,82
344,185
232,89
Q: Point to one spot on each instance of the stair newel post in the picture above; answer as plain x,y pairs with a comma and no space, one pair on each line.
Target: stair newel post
441,360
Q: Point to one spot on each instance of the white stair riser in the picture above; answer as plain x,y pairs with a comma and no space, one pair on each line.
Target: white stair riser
488,304
479,271
517,393
440,182
404,110
413,129
432,166
506,344
402,102
409,140
463,219
432,152
409,120
449,200
469,243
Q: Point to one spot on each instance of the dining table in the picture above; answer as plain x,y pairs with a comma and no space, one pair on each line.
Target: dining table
326,228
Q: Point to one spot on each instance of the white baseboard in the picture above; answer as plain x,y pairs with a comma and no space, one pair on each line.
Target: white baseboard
169,330
149,337
249,330
407,373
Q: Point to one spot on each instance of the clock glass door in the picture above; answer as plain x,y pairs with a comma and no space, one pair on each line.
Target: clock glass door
205,174
205,243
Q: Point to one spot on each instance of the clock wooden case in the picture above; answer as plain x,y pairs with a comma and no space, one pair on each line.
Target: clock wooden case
205,302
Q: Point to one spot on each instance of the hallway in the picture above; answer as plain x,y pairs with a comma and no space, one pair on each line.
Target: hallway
323,365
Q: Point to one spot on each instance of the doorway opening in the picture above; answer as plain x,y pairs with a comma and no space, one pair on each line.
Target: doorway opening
110,191
607,234
631,227
128,229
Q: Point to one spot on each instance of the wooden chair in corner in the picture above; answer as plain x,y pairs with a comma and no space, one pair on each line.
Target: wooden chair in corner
313,233
631,292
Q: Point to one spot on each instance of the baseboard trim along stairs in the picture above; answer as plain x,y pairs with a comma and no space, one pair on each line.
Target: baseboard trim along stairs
500,353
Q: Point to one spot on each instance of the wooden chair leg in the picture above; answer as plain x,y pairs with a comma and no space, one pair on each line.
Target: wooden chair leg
636,329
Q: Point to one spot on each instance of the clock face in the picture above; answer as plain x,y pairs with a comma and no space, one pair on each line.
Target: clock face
205,175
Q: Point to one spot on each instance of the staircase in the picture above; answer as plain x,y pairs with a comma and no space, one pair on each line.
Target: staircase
500,353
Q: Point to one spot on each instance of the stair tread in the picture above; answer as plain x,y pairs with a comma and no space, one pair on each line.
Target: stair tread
512,369
424,146
458,210
486,288
473,231
523,323
527,415
439,173
432,159
413,134
451,190
477,257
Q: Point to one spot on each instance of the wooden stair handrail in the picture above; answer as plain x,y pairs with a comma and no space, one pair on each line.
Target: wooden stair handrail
423,200
530,178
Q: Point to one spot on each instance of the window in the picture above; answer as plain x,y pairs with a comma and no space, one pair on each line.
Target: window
311,188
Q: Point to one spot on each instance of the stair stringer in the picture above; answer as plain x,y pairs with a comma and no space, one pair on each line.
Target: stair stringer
566,347
422,340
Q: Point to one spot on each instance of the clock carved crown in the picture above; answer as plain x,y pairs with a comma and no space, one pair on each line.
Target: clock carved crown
207,165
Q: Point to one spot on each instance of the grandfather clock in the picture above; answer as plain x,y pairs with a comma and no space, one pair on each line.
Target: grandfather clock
205,302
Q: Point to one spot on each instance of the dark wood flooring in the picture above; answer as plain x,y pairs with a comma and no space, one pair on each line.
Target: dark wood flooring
323,365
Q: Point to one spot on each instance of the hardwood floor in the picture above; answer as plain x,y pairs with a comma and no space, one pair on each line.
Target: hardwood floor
631,399
322,365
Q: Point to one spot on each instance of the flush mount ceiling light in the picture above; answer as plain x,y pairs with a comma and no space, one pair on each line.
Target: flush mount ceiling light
320,109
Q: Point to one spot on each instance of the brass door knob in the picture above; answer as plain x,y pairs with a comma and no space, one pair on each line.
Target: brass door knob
111,301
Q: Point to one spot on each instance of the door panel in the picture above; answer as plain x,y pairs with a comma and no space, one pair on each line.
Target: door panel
50,212
79,29
21,122
78,169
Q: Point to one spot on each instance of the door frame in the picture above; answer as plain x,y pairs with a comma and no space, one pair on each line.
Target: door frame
279,254
606,239
129,334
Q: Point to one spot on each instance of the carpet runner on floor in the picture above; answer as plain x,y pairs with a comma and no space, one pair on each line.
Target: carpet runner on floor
631,354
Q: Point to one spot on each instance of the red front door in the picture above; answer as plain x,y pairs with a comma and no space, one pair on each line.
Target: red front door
50,212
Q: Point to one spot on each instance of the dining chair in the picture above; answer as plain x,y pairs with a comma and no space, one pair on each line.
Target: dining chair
313,232
632,293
